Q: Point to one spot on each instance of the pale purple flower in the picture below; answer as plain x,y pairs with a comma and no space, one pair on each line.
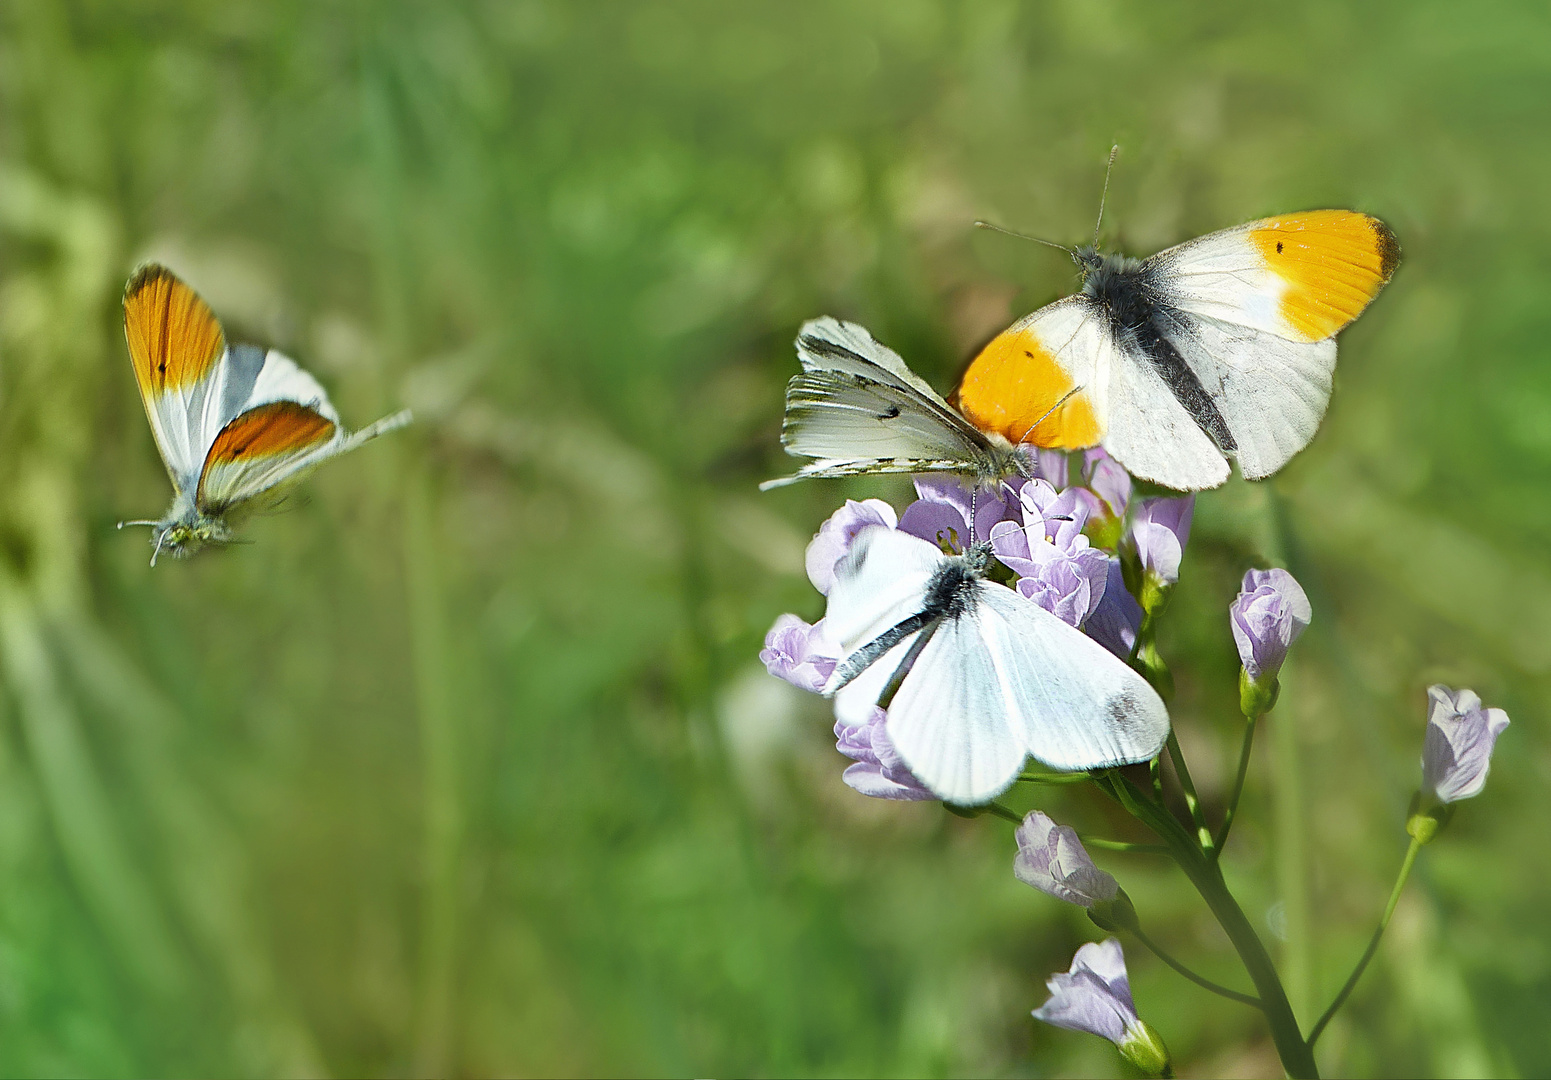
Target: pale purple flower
1050,466
1160,530
1070,584
803,655
1044,545
1052,859
1108,484
1094,996
1457,753
1116,621
940,514
879,771
1268,615
835,536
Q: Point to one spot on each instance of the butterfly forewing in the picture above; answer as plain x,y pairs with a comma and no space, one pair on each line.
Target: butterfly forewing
1071,702
175,344
857,408
880,582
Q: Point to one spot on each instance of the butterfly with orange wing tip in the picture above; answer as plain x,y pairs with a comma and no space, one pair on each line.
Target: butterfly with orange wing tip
1224,345
233,422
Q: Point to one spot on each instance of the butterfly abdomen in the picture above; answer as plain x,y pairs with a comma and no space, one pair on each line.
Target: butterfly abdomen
1123,289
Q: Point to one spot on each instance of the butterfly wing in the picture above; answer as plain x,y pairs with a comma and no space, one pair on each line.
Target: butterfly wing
1059,378
275,442
1073,704
176,346
879,582
1043,380
950,719
856,408
1254,311
260,448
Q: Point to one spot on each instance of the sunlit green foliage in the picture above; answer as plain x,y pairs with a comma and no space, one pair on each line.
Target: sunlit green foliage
466,764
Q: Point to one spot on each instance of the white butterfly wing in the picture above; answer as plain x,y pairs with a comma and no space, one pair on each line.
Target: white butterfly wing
950,720
1261,304
1271,392
856,408
1148,430
879,582
1072,703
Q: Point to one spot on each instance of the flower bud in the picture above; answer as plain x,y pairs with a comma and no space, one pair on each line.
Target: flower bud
1143,1047
1160,531
1053,860
1095,997
1268,615
1456,757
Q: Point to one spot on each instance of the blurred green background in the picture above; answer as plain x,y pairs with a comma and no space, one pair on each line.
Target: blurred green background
466,765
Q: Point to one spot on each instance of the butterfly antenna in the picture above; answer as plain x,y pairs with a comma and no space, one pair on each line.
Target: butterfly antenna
1022,236
158,549
974,492
153,524
1113,150
1024,437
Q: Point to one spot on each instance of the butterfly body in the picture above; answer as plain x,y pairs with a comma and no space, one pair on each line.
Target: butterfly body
236,425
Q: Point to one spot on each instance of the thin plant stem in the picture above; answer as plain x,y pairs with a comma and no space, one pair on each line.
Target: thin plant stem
1054,778
1123,845
1373,943
1005,814
1205,874
1155,771
1192,802
1200,980
1238,786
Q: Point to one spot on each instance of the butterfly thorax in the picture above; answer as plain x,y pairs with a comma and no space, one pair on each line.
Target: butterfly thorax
186,528
950,593
1121,287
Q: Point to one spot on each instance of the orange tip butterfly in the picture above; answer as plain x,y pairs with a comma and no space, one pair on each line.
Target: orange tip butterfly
1222,346
232,422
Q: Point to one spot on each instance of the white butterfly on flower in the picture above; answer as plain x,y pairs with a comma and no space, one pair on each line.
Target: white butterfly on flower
984,676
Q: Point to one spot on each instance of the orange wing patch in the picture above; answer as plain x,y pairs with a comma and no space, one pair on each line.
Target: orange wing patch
174,337
1333,261
1012,387
281,427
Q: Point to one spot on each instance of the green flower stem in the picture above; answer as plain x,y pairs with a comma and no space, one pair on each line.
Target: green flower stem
1123,845
1176,755
1200,980
1054,778
1238,786
1204,873
1155,773
1373,943
1002,812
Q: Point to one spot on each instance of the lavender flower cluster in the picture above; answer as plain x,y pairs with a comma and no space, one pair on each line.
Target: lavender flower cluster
1061,545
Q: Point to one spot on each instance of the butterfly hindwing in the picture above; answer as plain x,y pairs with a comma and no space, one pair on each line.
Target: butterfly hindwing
950,719
260,448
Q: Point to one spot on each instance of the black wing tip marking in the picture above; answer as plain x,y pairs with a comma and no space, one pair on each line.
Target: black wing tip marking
145,274
1389,248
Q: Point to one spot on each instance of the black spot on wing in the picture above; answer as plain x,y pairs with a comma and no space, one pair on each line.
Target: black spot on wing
891,413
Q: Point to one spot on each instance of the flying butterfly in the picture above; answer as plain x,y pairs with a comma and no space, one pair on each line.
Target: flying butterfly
236,425
984,676
856,408
1222,346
